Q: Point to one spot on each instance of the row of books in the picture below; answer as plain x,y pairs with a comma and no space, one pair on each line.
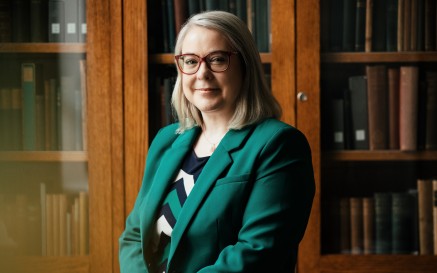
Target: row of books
43,21
378,25
172,14
55,224
44,113
387,222
387,108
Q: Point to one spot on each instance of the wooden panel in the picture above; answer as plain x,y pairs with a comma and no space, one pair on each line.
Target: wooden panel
379,57
283,57
117,128
100,89
135,96
308,117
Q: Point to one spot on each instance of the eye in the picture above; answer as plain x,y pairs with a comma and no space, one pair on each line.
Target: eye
217,58
190,60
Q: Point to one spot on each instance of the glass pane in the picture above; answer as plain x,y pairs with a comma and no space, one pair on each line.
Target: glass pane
43,138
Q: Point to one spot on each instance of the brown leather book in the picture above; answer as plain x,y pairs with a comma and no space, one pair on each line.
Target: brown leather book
425,209
356,218
408,106
377,94
393,108
431,111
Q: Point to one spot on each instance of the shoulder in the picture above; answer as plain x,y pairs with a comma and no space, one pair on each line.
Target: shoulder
271,128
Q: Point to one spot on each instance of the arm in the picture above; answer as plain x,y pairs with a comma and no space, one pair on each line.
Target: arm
277,210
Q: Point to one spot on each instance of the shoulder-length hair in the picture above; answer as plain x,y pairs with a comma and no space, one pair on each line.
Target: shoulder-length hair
255,101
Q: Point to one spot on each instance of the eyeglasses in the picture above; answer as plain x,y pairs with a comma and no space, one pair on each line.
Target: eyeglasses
217,61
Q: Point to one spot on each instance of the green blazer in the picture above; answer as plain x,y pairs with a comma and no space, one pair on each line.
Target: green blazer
247,211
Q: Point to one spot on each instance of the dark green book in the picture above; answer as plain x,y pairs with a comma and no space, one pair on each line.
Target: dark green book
349,7
402,223
383,223
360,25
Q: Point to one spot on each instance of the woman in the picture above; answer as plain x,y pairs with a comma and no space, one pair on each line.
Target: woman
229,188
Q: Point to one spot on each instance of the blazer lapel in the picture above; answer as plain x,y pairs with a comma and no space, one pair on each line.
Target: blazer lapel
218,162
169,165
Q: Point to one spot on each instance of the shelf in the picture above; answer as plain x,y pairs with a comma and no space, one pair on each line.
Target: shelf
44,156
42,48
383,263
383,155
379,57
168,58
35,264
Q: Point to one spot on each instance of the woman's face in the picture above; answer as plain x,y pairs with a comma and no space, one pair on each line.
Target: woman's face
211,92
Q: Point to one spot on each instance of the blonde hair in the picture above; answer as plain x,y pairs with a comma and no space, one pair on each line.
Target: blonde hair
255,102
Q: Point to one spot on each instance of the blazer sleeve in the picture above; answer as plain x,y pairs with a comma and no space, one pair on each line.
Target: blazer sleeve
131,255
277,210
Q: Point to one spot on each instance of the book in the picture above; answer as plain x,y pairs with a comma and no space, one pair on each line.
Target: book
400,26
431,111
408,107
194,7
38,21
360,25
434,212
356,222
43,208
83,223
261,23
349,8
16,119
5,21
413,25
29,88
336,26
393,107
345,226
391,25
336,129
383,224
425,211
180,13
71,121
402,223
377,100
20,21
82,21
5,118
359,112
71,21
421,25
430,25
56,21
379,25
369,26
368,225
171,24
406,25
50,248
83,104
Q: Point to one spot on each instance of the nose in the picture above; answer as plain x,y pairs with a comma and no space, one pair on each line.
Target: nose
203,72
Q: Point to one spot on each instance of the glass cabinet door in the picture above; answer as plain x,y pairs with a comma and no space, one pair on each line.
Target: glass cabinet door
43,133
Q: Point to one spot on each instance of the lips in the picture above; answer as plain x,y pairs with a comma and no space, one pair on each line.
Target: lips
207,89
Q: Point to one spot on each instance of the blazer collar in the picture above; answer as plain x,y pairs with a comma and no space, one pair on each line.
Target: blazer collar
218,162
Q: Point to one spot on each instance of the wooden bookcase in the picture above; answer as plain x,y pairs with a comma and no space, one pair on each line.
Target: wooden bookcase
100,166
351,172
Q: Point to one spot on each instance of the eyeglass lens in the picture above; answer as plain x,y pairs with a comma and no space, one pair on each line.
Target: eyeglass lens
216,62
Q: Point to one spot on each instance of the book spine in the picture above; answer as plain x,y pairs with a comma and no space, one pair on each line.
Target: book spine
402,223
408,106
349,7
391,25
16,119
71,26
393,107
345,226
431,111
180,13
356,221
20,21
56,18
383,225
82,21
400,26
377,104
425,209
39,21
368,225
368,26
359,110
5,21
28,74
434,213
360,25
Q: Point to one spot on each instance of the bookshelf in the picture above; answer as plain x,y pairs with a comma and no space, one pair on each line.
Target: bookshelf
81,170
347,172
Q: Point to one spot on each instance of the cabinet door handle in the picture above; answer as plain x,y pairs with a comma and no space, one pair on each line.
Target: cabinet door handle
302,96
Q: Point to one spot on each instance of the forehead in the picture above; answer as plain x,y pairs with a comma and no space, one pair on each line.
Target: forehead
202,40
